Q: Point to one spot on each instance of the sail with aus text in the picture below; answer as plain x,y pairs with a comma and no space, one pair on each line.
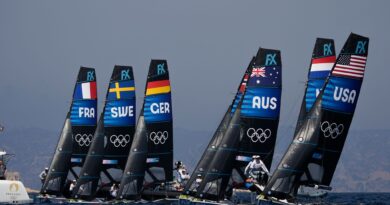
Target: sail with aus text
110,147
76,135
260,112
326,124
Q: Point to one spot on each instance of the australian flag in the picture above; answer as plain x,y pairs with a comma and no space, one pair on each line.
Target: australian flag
266,76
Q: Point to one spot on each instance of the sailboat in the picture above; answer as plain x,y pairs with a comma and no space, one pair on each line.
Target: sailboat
322,61
148,172
258,111
208,154
322,134
76,135
112,139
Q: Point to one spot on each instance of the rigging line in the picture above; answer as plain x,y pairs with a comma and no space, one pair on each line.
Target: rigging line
294,106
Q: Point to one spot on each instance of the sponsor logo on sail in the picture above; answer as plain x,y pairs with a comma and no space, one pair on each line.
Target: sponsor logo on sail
332,130
120,140
159,137
258,135
83,139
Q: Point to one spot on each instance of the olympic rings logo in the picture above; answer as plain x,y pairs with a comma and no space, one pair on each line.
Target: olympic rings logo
258,135
120,140
83,139
331,129
159,137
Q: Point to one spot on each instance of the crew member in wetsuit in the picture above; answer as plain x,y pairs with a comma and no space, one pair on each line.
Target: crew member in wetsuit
43,175
256,169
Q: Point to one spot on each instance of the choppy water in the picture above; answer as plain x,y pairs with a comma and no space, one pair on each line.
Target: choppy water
333,199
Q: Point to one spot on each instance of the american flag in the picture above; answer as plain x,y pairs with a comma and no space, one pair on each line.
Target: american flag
350,66
258,72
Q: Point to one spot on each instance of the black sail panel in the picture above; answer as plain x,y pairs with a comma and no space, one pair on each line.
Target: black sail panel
216,177
111,143
261,109
211,148
77,132
326,124
134,173
322,61
87,182
60,165
158,119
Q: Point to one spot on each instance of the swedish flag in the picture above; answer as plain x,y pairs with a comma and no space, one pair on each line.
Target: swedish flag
121,90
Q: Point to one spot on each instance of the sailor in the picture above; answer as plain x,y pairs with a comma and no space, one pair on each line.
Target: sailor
256,169
72,185
3,170
114,190
182,173
43,175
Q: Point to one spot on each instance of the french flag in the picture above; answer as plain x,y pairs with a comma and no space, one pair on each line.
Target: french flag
85,91
320,67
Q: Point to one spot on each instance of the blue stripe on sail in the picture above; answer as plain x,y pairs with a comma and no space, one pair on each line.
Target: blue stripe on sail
318,74
261,102
313,89
341,94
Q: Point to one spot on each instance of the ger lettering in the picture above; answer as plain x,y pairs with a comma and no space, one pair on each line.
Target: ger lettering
159,108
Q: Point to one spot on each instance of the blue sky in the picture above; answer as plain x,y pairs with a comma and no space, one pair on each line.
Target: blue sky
207,44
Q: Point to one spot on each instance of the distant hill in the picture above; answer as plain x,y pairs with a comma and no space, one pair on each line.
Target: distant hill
364,165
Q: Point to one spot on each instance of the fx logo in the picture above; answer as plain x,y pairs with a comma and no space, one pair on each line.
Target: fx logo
125,75
160,69
90,76
328,49
361,47
270,59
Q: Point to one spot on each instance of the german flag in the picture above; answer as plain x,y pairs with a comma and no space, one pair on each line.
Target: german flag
158,87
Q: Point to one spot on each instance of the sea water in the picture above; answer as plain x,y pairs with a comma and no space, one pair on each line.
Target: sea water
330,199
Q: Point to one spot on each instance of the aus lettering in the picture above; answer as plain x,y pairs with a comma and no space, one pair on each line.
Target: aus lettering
160,108
344,95
264,102
122,111
86,112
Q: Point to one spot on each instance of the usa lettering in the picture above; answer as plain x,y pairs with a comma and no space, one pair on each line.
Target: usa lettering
344,95
160,108
264,102
122,111
86,112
